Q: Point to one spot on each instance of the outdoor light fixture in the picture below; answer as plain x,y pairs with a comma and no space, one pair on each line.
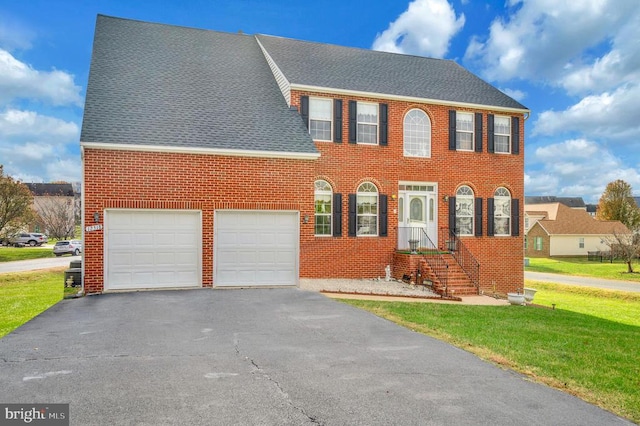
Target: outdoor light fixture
96,217
305,219
445,198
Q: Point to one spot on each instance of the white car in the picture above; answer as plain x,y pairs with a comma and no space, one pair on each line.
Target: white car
72,247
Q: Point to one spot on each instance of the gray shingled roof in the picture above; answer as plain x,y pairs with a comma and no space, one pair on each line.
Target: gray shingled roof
163,85
346,68
153,84
574,202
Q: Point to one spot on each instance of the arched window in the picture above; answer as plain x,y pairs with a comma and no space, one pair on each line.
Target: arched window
417,134
323,208
502,212
464,211
367,209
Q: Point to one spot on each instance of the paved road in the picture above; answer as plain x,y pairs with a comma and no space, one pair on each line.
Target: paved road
34,264
261,356
584,281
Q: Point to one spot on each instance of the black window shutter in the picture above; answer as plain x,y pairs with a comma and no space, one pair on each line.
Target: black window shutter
452,214
452,130
515,135
384,125
490,227
352,215
353,121
515,217
304,110
383,216
478,217
478,135
337,215
490,147
337,120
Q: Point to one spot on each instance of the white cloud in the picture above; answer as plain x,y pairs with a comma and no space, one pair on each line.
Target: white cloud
28,124
576,168
516,94
20,81
548,39
608,115
425,28
38,148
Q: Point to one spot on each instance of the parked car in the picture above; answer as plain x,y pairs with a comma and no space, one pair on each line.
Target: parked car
24,239
72,247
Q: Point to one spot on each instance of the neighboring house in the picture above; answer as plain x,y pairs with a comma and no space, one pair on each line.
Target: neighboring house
227,160
573,202
52,198
567,232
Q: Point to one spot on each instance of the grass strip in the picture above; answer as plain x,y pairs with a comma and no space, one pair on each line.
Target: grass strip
582,267
25,295
9,254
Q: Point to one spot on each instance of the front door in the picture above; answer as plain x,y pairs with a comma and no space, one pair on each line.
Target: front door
417,219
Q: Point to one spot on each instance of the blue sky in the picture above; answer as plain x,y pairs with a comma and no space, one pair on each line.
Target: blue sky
575,64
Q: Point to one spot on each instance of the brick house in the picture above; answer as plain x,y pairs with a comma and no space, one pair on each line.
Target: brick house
223,160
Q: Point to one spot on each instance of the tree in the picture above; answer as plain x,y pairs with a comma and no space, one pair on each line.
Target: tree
15,205
617,203
625,246
57,216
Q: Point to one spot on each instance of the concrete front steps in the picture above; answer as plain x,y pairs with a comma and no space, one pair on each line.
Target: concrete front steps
458,282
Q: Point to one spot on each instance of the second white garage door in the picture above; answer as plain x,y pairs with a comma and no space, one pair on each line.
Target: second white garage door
256,248
152,249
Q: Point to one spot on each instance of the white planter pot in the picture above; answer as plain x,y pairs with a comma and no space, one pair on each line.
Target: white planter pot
516,298
529,293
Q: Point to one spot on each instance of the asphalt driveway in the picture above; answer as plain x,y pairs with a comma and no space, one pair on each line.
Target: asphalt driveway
260,356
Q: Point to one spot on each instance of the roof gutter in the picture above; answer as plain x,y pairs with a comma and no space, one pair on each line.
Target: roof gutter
202,151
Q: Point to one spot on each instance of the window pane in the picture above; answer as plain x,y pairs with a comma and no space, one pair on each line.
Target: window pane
323,225
367,113
417,134
501,143
464,225
320,130
464,140
320,109
464,122
502,125
367,133
502,225
367,225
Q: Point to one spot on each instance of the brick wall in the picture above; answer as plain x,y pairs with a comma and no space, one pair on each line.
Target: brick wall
126,179
535,232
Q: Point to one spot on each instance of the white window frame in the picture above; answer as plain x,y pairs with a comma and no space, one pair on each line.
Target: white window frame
581,242
417,134
322,189
461,131
315,118
465,197
360,124
502,202
367,191
502,132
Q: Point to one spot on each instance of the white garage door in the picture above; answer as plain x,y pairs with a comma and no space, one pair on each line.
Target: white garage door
256,248
152,249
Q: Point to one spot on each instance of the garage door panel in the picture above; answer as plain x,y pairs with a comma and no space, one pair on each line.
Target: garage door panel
152,249
254,248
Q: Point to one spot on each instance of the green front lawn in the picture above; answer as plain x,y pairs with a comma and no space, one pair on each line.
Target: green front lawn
25,295
8,254
589,345
584,268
